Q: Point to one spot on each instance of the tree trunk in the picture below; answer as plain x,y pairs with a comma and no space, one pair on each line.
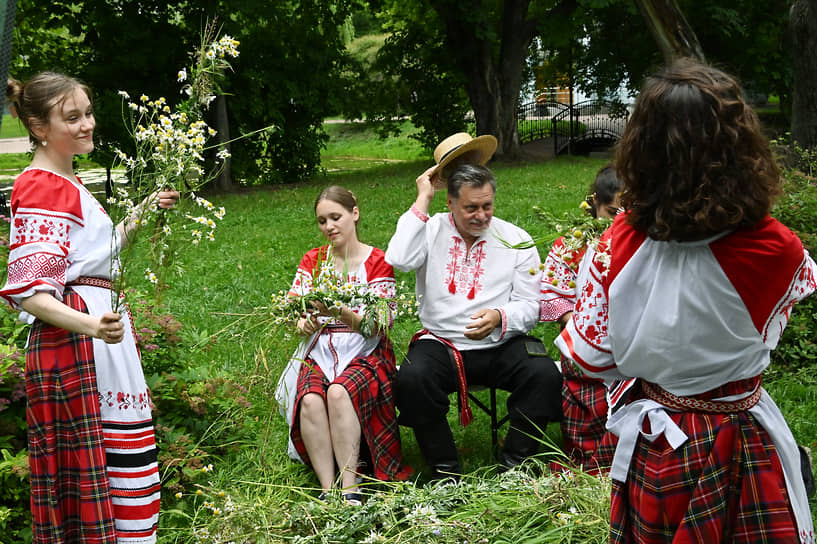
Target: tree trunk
224,180
669,27
492,82
803,26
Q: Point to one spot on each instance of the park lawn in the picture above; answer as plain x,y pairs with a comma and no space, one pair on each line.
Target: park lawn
11,127
254,493
257,248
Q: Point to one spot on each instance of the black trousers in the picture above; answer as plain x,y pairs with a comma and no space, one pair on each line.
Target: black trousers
520,366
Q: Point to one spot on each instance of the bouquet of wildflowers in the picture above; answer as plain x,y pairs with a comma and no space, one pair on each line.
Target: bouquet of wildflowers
578,229
332,290
169,155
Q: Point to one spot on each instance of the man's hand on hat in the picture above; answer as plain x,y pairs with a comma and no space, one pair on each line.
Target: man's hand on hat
426,189
484,322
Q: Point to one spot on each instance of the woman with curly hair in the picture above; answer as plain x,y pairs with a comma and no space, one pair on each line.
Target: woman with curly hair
690,293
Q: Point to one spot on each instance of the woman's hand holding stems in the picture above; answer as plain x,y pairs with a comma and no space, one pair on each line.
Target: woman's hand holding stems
309,324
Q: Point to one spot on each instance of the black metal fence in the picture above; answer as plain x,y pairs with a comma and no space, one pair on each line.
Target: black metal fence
584,125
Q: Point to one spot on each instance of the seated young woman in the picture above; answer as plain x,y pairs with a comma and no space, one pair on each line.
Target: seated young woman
586,441
336,392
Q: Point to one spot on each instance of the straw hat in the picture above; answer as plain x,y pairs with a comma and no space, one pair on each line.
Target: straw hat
461,148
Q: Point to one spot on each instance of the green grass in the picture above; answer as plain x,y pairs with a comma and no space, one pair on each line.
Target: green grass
257,248
12,128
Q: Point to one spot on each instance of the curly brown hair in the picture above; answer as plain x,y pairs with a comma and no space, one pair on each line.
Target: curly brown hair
693,159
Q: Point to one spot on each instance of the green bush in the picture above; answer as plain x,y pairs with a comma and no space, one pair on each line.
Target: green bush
15,515
797,209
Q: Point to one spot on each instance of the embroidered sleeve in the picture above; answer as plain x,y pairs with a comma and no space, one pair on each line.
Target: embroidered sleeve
802,285
308,269
380,278
771,271
585,339
44,214
559,282
408,247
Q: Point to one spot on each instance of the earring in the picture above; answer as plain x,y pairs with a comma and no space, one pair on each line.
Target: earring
44,143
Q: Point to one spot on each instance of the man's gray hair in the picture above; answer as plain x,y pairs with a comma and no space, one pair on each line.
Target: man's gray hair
470,175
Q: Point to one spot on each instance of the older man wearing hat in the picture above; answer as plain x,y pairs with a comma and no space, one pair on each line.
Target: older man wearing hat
478,299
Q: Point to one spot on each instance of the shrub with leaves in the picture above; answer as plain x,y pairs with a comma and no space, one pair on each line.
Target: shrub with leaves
797,209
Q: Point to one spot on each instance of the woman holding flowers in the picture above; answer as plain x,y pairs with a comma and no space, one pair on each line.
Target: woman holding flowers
336,393
92,453
697,290
584,399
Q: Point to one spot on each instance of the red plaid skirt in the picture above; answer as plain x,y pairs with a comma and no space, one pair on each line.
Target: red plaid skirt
584,403
368,380
725,484
70,493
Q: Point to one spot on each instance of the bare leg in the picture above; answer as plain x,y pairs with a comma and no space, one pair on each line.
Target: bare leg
317,440
345,429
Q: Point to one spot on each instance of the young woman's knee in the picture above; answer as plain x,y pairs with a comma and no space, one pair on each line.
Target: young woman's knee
337,395
312,403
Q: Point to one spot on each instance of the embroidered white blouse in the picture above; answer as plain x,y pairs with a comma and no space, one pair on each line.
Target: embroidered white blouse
452,283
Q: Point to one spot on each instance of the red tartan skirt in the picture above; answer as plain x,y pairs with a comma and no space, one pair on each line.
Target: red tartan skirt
724,484
368,380
584,404
70,493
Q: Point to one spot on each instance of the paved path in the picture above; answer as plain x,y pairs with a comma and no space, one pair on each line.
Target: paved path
15,145
93,178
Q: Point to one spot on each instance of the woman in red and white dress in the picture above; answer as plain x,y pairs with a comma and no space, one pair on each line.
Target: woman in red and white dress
689,292
336,392
92,453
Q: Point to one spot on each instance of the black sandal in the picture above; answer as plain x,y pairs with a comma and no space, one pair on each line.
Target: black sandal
353,499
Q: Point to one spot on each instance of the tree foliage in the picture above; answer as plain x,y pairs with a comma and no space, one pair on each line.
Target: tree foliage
288,74
747,38
438,52
803,25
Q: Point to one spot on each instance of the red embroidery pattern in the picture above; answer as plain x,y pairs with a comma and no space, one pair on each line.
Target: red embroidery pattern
420,215
590,315
44,229
125,401
38,265
464,275
454,253
802,285
302,283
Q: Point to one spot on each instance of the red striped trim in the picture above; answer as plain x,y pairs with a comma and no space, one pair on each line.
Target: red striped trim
137,492
578,360
104,283
137,534
136,513
140,434
420,215
130,444
466,416
137,433
139,474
